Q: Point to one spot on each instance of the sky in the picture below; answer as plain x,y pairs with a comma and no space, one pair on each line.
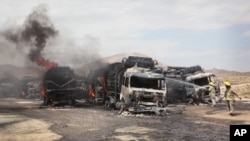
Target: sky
210,33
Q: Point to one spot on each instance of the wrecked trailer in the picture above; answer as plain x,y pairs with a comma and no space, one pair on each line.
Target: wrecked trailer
181,73
193,76
129,85
132,85
183,92
142,62
30,88
203,80
62,87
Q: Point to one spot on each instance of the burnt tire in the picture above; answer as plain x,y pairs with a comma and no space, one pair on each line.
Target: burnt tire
107,104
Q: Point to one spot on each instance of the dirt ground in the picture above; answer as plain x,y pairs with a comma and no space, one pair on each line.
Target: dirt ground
24,120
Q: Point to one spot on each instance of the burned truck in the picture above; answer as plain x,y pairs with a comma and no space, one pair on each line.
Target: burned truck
62,87
8,86
143,89
130,85
179,91
193,81
30,88
203,80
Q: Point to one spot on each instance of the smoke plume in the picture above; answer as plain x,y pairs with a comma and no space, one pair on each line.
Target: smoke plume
33,34
38,29
39,42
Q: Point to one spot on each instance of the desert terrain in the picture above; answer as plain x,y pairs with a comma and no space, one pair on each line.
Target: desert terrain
62,55
26,120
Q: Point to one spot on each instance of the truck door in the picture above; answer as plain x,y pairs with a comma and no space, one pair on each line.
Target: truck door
125,89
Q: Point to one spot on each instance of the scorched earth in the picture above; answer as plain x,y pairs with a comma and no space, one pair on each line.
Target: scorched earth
25,120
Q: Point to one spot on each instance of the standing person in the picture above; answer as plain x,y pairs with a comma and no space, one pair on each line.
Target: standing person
212,93
229,96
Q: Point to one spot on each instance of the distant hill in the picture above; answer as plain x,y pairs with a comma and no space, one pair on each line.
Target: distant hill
222,72
233,76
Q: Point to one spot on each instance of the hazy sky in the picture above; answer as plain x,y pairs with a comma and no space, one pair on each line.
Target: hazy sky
211,33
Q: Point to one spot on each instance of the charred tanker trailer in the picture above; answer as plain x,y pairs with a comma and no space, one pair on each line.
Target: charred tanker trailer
61,86
130,85
194,81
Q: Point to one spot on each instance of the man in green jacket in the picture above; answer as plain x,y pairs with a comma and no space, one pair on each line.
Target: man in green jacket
229,96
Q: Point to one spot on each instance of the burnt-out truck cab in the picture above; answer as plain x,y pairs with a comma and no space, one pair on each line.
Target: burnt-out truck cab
145,90
189,82
203,80
129,85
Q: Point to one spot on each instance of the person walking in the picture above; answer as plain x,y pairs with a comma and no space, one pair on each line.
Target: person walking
212,93
229,96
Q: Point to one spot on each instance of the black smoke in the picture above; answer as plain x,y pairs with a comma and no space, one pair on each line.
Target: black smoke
34,32
37,39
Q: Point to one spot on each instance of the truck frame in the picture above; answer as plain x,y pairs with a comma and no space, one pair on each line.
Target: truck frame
129,85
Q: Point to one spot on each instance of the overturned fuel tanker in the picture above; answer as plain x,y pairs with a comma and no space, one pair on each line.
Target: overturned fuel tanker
129,85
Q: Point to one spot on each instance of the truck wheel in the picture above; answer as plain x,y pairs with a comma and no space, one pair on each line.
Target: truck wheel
123,106
45,101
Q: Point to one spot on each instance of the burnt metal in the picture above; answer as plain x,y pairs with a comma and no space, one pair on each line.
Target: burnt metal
133,85
144,62
30,88
62,86
130,84
189,84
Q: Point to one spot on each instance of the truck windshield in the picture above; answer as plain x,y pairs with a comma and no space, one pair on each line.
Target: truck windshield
149,83
201,81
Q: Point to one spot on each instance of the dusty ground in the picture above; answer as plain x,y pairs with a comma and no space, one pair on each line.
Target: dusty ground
24,120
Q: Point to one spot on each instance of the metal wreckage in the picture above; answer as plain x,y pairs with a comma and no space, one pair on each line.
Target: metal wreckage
62,87
29,88
135,84
189,84
130,85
